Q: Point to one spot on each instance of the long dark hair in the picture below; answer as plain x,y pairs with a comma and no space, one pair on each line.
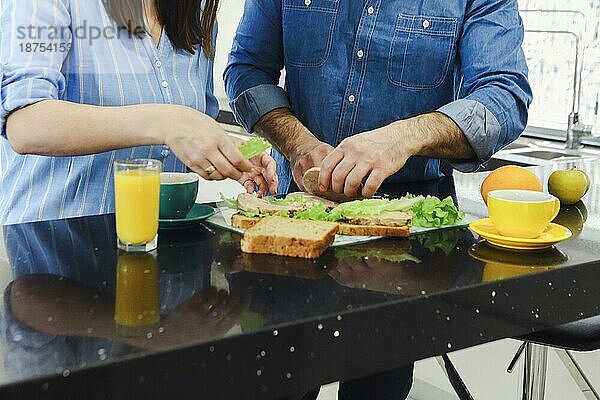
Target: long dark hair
185,21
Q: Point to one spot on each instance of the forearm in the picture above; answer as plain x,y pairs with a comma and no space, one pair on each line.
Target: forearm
60,128
285,132
433,135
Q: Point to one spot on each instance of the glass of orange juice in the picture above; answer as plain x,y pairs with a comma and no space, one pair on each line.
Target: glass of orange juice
137,294
137,194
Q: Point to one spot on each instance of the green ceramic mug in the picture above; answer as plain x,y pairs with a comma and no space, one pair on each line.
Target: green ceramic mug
178,193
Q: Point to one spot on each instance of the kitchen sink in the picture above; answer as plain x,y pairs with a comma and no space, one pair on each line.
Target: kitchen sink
547,154
528,152
515,146
496,163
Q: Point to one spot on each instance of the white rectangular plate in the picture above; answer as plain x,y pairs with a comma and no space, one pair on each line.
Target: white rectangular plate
222,219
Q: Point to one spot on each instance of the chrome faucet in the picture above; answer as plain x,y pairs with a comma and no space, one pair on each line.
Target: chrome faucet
576,130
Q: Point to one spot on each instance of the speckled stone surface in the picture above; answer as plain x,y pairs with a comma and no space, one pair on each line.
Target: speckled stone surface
235,325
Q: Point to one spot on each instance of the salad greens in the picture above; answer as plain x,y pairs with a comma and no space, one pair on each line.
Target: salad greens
251,321
254,147
290,200
229,202
440,240
372,207
342,253
318,212
428,212
433,213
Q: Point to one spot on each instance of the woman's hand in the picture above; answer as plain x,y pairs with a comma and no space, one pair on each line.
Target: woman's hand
262,177
201,144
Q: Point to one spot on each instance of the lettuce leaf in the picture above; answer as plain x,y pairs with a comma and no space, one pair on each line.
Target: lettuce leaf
318,212
434,213
251,321
229,202
254,147
445,240
375,254
252,214
291,200
359,208
372,207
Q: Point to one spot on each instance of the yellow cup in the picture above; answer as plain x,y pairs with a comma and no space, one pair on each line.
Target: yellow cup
522,213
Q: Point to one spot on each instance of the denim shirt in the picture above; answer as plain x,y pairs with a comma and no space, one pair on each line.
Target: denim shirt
357,65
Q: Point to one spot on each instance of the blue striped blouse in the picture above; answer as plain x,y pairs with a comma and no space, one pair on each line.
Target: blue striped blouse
71,50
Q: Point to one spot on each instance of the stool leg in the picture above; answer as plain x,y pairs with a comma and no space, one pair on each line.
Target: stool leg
534,380
578,376
454,377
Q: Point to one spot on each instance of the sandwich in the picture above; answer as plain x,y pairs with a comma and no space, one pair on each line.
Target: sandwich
354,218
367,217
252,208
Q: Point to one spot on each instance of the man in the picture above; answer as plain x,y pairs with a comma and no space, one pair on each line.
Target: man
379,91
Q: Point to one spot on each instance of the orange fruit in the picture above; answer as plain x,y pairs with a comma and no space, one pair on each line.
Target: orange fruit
510,177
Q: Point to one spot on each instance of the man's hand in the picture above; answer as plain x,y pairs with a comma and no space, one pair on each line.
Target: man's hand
375,155
307,156
293,140
370,156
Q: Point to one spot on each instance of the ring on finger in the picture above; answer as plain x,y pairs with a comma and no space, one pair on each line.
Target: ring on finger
210,170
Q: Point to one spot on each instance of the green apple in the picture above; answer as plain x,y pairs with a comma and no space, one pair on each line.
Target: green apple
572,217
569,185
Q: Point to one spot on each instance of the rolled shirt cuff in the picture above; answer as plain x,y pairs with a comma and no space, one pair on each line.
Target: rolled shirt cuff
480,127
253,103
22,93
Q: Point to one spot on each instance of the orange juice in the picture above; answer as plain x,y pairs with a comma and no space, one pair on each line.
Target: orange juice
137,301
137,194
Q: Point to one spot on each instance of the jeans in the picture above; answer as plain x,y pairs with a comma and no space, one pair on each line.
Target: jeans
394,384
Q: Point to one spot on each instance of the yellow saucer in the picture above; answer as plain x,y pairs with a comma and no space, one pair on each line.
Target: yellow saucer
553,234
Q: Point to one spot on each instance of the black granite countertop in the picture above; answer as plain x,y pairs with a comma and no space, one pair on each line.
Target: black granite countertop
235,325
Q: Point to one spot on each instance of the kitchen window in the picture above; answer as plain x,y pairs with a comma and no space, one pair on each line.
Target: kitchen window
551,60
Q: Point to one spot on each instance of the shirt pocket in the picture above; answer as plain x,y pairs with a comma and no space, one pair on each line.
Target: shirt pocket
308,31
421,51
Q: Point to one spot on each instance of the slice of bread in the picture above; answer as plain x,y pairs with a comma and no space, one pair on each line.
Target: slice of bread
374,230
289,237
310,180
243,222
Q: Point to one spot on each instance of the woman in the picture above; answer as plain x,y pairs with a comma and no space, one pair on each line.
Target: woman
85,82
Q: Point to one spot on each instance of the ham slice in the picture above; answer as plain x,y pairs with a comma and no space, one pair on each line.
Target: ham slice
251,203
391,218
316,199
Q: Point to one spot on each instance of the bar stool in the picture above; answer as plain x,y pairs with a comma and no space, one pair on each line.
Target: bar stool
579,336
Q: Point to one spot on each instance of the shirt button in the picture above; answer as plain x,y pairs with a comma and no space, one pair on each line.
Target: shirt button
351,98
360,54
371,10
307,2
158,64
426,24
165,84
